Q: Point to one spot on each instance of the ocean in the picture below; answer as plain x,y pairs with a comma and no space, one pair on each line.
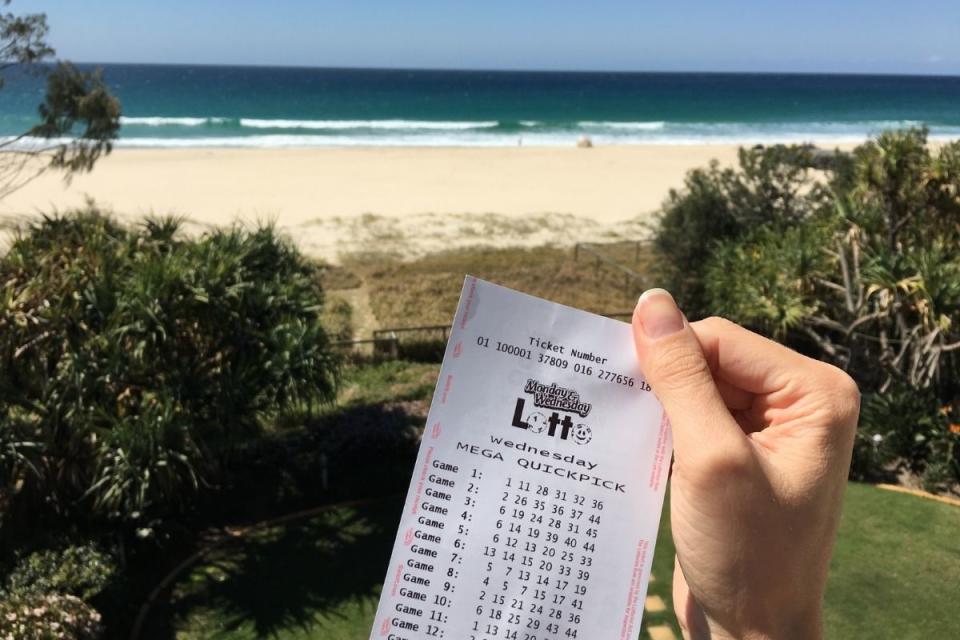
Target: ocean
229,106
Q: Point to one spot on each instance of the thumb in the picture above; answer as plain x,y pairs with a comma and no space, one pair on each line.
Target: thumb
677,370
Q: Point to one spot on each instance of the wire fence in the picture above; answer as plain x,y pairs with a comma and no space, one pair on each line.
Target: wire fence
631,279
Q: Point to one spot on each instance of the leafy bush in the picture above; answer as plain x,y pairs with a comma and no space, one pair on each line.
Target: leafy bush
913,427
767,278
48,617
81,571
133,360
772,187
858,265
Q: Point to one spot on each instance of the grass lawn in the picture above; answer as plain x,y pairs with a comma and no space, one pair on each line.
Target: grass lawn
895,572
896,568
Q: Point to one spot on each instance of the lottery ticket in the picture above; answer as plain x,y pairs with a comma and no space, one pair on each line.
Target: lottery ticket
535,500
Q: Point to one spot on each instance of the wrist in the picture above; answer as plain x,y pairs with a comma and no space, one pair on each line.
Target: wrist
804,624
806,631
801,623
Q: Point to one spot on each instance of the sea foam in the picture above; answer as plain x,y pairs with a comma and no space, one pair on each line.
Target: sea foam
170,121
633,126
429,125
284,123
417,133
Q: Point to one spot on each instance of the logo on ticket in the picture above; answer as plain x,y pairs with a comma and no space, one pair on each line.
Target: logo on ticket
557,398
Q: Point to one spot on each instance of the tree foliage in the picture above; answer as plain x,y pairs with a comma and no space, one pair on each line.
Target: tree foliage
132,360
79,117
23,39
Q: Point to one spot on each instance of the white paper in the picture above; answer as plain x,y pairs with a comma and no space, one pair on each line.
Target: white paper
534,505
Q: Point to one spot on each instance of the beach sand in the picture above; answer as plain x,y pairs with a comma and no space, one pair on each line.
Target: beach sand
405,201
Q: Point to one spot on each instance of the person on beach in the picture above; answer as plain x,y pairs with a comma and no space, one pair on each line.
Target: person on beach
762,444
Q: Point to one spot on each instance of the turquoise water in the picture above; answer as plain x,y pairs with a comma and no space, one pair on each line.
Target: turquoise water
182,106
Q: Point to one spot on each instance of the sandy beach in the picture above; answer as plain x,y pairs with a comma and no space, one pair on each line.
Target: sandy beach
403,200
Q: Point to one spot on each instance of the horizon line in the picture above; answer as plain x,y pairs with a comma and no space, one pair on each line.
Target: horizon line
522,70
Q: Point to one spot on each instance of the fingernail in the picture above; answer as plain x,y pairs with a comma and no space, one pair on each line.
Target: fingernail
658,313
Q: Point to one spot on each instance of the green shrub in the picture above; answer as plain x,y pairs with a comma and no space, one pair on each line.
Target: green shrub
767,279
133,360
873,460
82,571
771,187
858,265
913,428
48,617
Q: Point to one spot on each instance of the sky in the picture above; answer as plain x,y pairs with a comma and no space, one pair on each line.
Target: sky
846,36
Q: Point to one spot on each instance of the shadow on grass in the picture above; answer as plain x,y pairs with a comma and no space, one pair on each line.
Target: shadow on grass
291,580
360,451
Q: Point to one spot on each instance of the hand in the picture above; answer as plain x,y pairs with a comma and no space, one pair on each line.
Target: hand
762,444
